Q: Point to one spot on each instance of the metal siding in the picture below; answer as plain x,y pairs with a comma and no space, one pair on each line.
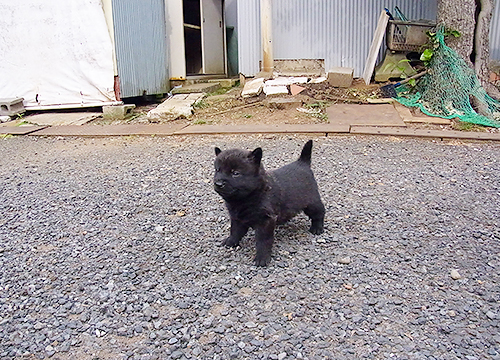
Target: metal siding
249,42
141,46
495,33
338,31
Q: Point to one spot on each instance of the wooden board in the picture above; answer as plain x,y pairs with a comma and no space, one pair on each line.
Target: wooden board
375,46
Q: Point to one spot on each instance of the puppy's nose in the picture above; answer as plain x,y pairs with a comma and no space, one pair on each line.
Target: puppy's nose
220,183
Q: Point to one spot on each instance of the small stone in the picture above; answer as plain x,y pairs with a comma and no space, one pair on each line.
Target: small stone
176,354
250,325
345,260
452,313
455,274
172,341
138,329
282,355
491,315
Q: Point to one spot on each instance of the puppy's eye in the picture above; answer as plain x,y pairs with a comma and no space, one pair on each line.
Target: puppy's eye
217,169
235,173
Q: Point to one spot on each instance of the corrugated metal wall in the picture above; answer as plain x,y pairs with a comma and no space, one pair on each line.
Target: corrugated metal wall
141,47
338,31
495,33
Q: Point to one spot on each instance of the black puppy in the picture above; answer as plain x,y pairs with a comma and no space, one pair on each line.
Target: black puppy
261,200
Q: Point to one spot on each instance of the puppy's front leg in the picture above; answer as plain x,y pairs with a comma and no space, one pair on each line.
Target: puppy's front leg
264,237
238,230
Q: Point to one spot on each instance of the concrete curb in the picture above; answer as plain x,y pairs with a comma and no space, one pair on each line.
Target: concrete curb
183,129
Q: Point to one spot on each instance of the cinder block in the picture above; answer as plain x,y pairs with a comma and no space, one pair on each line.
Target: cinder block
12,106
117,112
340,77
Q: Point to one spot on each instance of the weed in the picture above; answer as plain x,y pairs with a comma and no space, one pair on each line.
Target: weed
247,116
201,122
466,126
201,104
317,105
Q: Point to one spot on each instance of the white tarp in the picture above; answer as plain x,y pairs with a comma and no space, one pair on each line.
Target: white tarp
55,52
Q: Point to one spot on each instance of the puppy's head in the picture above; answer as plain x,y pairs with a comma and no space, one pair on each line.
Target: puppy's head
238,173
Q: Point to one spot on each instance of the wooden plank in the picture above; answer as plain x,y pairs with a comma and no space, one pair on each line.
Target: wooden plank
264,129
375,46
443,134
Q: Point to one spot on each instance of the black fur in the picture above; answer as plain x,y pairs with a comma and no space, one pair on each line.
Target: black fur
261,200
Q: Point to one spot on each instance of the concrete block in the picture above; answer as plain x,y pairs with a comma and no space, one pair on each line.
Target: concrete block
275,90
4,118
11,106
318,80
253,87
340,77
117,111
180,105
225,83
283,103
197,88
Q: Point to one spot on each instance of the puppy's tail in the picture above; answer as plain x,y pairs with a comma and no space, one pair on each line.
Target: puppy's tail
305,155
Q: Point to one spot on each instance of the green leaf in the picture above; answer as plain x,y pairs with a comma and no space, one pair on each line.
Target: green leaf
412,82
427,55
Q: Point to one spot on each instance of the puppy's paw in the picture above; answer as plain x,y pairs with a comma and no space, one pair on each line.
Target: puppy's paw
230,242
316,229
262,259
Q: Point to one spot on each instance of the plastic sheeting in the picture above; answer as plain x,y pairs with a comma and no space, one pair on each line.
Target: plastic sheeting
55,53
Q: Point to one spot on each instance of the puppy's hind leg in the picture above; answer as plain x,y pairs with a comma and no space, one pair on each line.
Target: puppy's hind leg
238,230
316,213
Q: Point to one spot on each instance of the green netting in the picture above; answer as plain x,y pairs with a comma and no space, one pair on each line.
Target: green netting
451,89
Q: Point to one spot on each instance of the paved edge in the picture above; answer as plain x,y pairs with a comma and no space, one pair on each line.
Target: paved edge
263,129
111,130
183,129
20,130
443,134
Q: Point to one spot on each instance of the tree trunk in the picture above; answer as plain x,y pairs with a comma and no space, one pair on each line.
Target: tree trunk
472,19
482,47
459,15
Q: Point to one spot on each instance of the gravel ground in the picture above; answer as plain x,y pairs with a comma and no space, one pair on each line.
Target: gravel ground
110,249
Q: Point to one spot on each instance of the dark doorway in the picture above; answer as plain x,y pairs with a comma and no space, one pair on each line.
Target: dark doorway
192,36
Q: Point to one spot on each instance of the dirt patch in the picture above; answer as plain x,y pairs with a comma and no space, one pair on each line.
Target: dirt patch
228,107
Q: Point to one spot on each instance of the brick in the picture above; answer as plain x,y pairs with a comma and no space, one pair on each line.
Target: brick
340,77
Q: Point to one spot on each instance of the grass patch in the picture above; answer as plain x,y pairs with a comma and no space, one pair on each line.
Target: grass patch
219,91
201,122
202,104
466,126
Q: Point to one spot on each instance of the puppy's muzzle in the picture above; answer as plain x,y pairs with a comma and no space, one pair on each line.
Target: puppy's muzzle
219,184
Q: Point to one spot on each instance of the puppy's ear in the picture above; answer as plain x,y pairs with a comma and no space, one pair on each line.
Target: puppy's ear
256,155
217,151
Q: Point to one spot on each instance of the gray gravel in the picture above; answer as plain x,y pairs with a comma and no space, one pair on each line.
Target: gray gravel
110,249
